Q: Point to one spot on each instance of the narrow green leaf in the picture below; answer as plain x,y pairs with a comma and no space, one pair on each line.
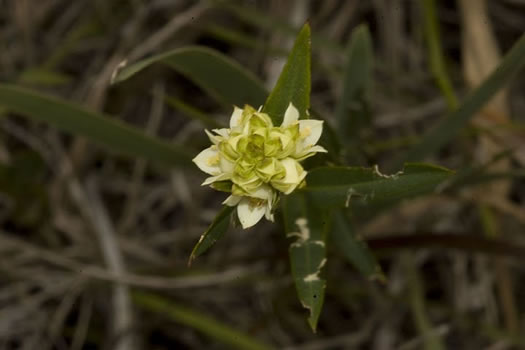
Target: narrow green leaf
224,79
448,127
216,230
44,77
417,298
308,253
357,79
354,248
472,175
241,38
465,181
204,324
256,17
191,112
435,53
293,84
68,117
339,186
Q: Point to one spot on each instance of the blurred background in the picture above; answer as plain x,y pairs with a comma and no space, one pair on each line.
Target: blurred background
94,245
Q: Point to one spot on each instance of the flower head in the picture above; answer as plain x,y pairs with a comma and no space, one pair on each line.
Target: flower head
255,160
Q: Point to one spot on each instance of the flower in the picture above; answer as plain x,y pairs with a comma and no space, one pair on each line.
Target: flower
256,161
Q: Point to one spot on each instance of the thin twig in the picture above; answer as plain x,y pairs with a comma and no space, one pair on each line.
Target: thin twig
129,216
122,315
152,282
465,242
167,31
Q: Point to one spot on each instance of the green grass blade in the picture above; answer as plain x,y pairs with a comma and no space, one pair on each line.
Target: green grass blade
293,84
448,127
354,248
261,20
192,112
197,320
223,79
239,38
215,232
43,77
357,80
435,54
68,117
416,296
308,253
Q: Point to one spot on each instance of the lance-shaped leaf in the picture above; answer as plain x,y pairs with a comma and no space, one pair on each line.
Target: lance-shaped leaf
353,247
307,253
293,84
337,186
112,133
216,230
223,79
351,109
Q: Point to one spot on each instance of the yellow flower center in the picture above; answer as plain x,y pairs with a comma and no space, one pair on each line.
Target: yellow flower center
213,160
306,132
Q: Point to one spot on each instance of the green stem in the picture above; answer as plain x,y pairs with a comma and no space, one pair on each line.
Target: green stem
435,53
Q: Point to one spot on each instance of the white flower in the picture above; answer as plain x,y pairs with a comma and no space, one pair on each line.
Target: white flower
255,160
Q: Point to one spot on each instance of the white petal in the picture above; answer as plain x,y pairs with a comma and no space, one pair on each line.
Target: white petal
268,215
212,179
301,152
208,161
268,212
224,132
294,174
316,149
290,167
232,200
290,116
236,117
227,166
213,138
263,192
249,214
310,131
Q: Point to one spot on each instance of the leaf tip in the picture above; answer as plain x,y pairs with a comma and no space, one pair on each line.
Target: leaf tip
313,324
190,260
115,78
378,277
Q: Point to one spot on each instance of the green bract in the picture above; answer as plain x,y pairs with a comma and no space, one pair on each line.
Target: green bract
255,160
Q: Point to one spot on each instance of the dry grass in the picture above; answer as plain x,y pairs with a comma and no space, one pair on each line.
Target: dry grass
82,228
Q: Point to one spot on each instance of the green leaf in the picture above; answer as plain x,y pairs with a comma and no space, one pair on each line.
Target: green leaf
255,17
242,38
294,82
354,248
216,230
224,79
448,127
435,53
202,323
68,117
191,112
357,79
44,77
308,253
339,186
